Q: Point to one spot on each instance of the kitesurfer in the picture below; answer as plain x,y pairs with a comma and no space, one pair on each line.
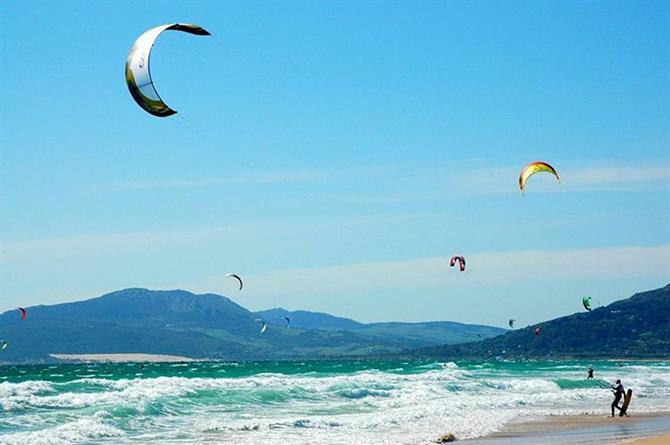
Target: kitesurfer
590,373
618,394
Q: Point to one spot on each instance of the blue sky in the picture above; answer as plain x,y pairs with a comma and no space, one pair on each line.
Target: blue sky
337,154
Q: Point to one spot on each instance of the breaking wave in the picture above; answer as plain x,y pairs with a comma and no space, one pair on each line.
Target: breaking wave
331,402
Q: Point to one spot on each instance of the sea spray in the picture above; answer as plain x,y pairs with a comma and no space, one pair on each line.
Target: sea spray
335,402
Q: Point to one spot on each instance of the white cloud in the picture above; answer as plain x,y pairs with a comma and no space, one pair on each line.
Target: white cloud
435,273
627,176
268,178
87,245
91,245
461,178
488,180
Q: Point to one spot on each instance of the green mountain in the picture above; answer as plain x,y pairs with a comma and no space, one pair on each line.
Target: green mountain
178,322
308,320
428,333
635,327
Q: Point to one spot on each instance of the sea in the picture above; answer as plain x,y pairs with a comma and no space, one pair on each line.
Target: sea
311,402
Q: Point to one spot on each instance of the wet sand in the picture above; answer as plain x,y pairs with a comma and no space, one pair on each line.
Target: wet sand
658,440
585,429
121,358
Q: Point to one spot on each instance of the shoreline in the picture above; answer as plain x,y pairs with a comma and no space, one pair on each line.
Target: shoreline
651,428
657,440
124,357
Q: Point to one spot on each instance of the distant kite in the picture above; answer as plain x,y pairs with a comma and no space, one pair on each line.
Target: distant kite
511,323
237,277
586,302
535,167
138,74
4,344
24,314
461,262
288,322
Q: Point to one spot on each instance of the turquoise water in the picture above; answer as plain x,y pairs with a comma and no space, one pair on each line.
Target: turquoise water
334,402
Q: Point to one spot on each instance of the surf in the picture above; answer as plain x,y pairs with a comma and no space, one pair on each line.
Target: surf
329,401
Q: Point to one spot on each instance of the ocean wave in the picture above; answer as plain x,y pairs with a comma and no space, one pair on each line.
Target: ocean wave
10,393
89,428
366,405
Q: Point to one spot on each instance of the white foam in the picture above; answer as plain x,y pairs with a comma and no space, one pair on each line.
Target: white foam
80,430
362,407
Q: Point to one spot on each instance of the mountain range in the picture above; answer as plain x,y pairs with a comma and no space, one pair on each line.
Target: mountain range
178,322
638,326
433,332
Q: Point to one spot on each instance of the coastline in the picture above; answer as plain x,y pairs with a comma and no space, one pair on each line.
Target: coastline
117,358
637,429
657,440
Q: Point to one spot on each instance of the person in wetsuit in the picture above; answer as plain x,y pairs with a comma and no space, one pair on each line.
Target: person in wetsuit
618,394
590,373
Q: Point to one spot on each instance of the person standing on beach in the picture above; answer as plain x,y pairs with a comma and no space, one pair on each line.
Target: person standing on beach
618,394
590,373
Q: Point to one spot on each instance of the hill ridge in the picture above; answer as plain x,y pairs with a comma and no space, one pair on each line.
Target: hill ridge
179,322
638,326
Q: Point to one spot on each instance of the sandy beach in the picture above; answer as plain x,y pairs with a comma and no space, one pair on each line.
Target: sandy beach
658,440
639,429
116,358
